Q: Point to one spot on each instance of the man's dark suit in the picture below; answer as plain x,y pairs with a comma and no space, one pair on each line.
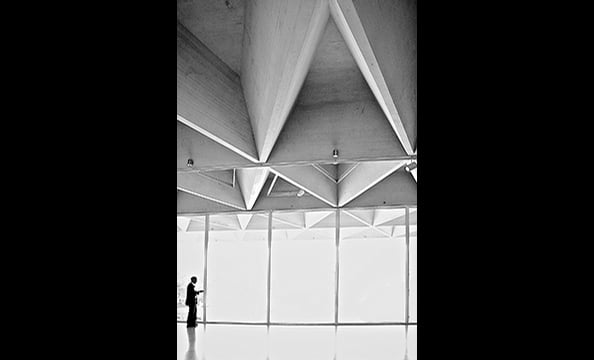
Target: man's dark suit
191,302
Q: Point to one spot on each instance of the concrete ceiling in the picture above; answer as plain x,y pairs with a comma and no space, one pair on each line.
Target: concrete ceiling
268,89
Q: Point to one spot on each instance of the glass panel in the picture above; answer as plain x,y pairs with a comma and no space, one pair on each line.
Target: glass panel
301,342
303,267
237,269
190,260
240,342
372,266
411,342
370,342
413,265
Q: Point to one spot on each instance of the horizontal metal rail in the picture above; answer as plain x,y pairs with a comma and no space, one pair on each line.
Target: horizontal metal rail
302,324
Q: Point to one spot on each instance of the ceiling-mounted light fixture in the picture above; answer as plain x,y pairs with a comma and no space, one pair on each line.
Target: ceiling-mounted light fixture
300,193
335,156
190,163
410,166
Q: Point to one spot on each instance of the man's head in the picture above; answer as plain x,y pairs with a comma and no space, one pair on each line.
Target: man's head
193,279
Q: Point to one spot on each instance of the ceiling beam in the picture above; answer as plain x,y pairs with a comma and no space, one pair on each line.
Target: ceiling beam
207,188
358,130
279,42
206,154
251,181
189,205
381,35
311,180
363,177
209,97
397,189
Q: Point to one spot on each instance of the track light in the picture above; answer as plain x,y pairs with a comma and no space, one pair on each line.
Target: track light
300,193
410,166
190,163
335,154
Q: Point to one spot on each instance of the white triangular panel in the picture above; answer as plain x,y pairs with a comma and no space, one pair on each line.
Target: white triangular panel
244,220
312,218
251,181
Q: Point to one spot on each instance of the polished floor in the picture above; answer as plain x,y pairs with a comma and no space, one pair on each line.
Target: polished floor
244,342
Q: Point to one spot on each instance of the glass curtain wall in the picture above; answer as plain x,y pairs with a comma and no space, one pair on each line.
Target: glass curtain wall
317,284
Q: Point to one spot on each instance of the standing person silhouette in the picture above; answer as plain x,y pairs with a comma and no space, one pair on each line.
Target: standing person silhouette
191,302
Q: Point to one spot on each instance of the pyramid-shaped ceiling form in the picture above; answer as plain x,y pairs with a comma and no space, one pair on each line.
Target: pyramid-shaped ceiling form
400,188
218,24
335,109
196,224
284,195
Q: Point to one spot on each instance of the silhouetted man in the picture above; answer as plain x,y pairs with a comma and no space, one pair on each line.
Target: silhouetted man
192,301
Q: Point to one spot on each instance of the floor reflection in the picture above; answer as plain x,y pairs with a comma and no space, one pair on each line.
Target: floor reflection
247,342
191,353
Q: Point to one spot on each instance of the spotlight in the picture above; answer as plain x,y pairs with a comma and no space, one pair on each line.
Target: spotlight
300,193
410,166
190,163
335,153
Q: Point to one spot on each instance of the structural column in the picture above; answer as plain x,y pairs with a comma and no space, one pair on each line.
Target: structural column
205,273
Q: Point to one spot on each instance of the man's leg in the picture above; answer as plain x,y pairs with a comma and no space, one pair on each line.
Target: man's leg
192,312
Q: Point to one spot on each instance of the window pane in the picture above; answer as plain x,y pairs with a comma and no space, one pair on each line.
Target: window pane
237,269
229,342
301,342
372,266
413,265
370,342
190,260
303,267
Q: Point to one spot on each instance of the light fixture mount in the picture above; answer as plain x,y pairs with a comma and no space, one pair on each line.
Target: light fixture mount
411,166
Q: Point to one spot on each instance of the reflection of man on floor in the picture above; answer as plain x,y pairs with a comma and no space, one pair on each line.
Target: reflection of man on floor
191,302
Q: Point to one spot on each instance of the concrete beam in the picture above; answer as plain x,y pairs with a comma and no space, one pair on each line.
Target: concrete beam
397,189
207,154
209,189
358,130
280,38
311,180
382,37
209,97
188,205
363,177
251,181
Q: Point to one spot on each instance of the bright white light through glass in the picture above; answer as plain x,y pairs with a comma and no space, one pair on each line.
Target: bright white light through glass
237,270
190,260
372,267
303,266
